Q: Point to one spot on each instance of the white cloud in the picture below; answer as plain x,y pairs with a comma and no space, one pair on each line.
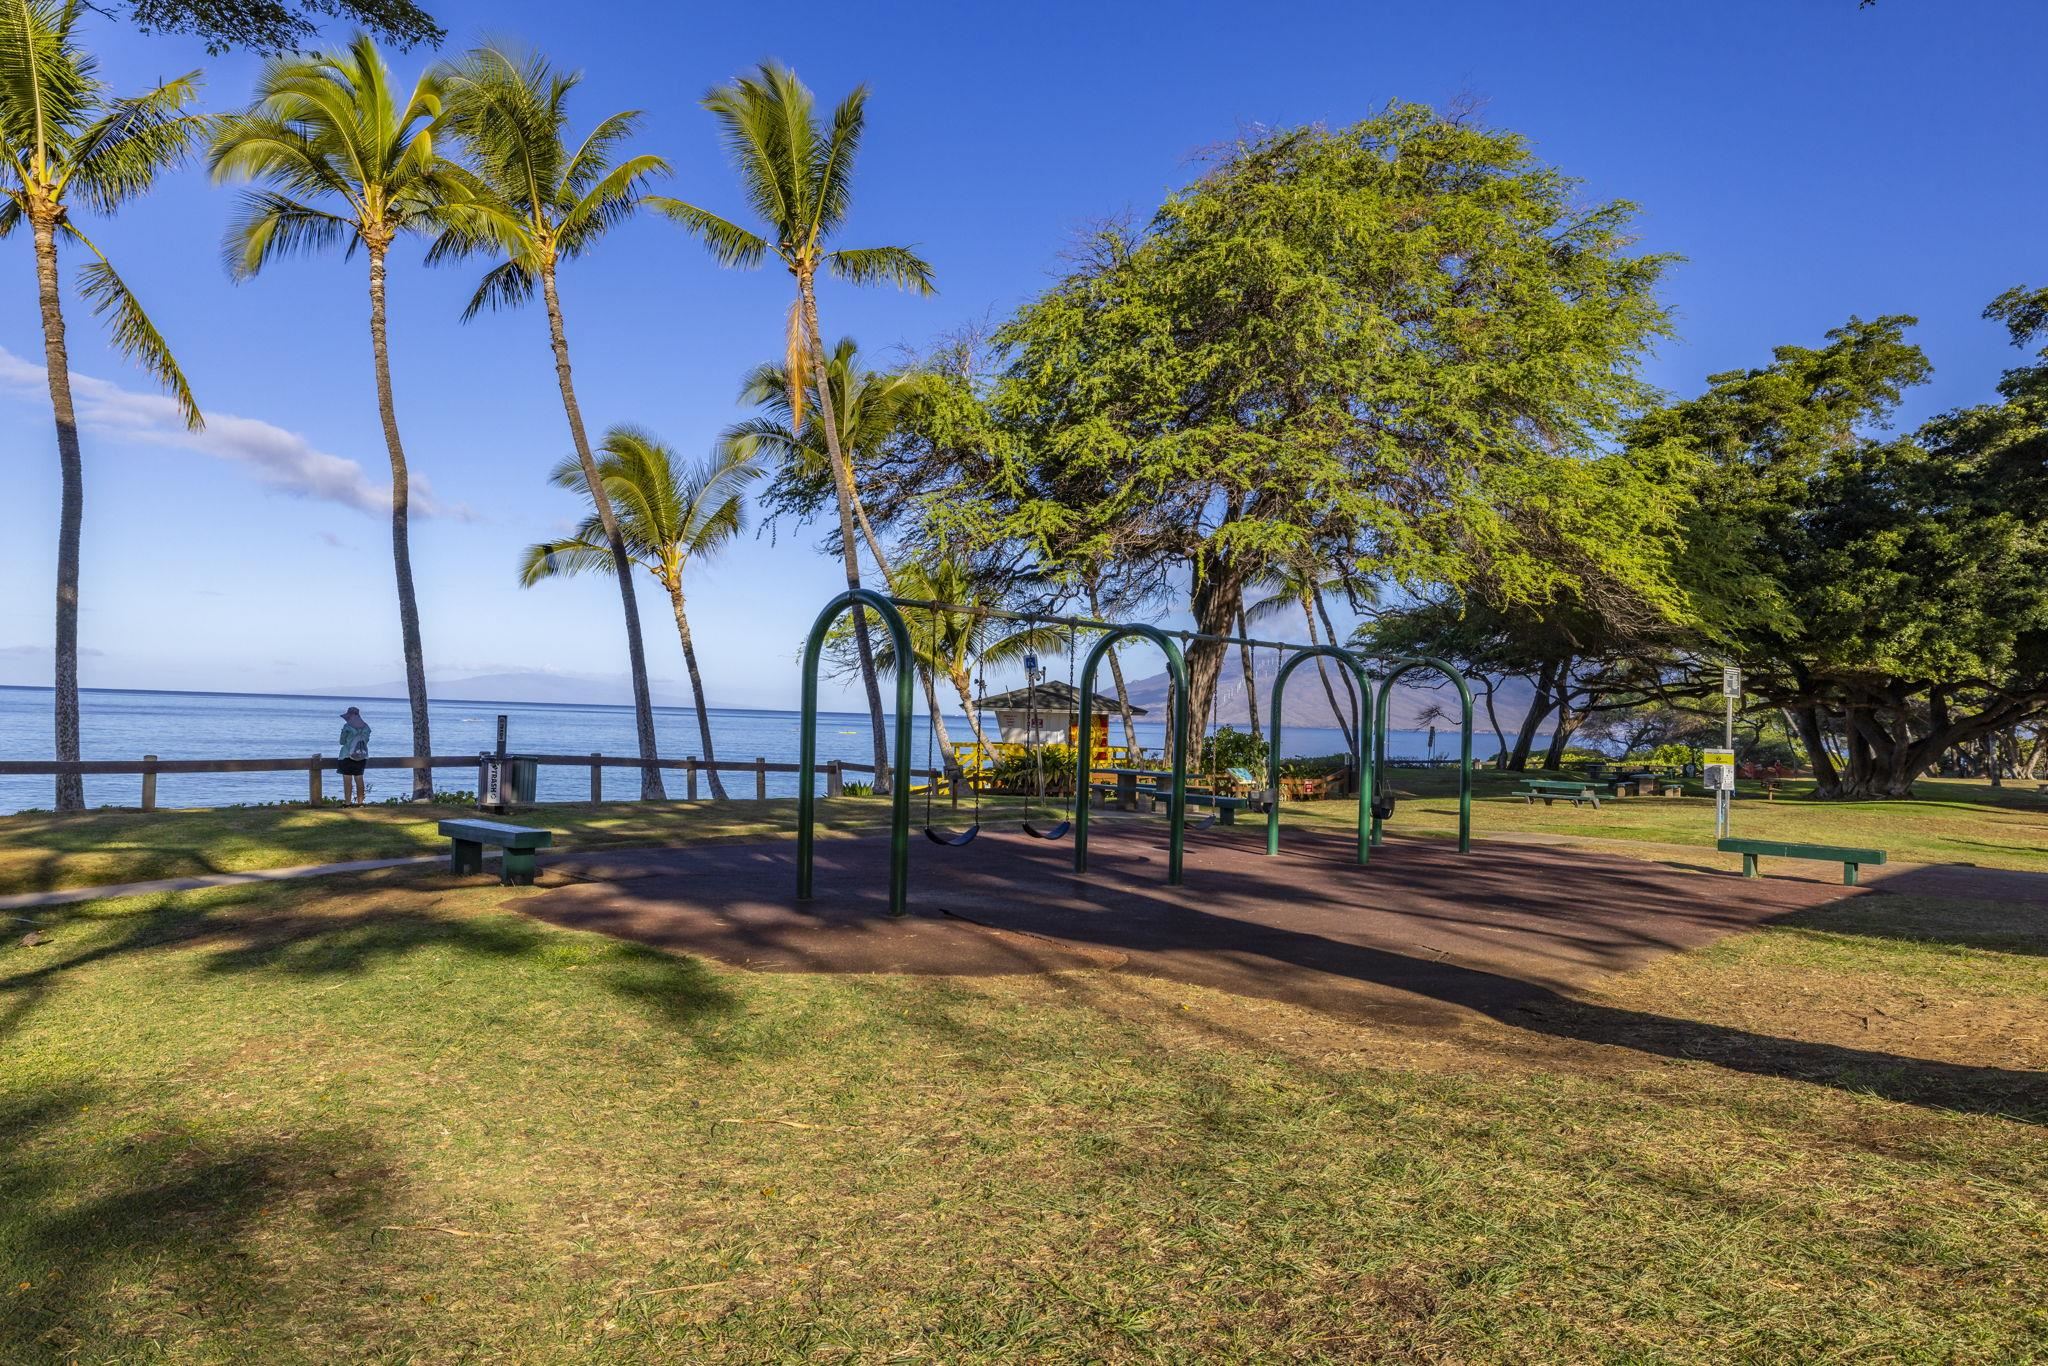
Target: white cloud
276,458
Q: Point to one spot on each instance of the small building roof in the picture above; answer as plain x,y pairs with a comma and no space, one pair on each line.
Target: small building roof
1054,698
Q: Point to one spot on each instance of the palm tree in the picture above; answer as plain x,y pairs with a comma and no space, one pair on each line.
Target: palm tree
66,143
1301,584
950,644
343,162
665,517
866,407
798,179
535,201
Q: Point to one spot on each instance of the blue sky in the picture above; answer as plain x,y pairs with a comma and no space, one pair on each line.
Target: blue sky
1810,159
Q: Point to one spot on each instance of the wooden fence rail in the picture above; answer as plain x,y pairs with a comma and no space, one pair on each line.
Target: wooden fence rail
313,765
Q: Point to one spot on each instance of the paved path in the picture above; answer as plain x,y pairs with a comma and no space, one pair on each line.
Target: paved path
28,901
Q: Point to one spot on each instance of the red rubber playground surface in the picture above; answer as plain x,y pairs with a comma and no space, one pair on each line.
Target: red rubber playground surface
1422,935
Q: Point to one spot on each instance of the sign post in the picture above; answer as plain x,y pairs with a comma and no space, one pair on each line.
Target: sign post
1724,759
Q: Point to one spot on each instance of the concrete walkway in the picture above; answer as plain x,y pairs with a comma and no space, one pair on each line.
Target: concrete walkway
27,901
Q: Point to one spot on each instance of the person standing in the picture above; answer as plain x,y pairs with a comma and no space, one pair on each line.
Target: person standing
355,753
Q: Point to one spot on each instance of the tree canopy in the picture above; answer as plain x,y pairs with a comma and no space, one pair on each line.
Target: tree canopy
1393,346
282,25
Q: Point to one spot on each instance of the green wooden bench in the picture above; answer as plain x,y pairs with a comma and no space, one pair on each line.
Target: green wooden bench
1849,858
1552,790
518,842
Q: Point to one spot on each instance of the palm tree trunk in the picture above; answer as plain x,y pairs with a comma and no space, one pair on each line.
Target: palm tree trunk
963,684
931,699
622,565
1329,690
71,511
842,484
675,599
1246,663
1123,697
401,540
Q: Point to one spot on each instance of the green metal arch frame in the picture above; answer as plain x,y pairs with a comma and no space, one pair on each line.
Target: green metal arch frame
807,761
1084,758
1361,744
1405,665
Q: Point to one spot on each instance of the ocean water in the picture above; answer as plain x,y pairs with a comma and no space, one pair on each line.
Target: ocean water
122,724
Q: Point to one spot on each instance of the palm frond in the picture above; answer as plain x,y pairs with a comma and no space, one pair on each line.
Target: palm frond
564,557
269,225
607,203
130,329
119,155
897,265
730,244
47,83
506,285
593,158
832,168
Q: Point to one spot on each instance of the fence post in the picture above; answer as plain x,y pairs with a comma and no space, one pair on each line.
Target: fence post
690,776
760,778
313,782
148,785
835,780
596,778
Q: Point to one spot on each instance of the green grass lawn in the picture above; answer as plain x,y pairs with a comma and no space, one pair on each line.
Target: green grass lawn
386,1118
1945,822
1949,822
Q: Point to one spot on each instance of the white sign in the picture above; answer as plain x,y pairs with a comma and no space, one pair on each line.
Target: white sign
1731,681
1720,770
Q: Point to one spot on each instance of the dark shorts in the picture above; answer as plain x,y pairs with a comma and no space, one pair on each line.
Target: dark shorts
349,768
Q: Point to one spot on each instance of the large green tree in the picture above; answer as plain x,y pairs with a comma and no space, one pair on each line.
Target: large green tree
797,178
281,25
1386,348
668,515
1889,591
534,199
345,159
66,144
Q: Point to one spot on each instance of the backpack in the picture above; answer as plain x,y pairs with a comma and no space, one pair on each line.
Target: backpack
361,748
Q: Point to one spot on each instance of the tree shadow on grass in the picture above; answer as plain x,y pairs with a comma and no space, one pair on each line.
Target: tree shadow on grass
115,1246
339,928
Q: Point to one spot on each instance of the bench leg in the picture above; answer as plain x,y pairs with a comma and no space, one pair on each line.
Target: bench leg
518,870
1749,866
1848,875
466,857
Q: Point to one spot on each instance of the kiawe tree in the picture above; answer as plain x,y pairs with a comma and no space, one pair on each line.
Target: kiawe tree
1379,348
66,144
798,180
535,200
1889,592
280,25
668,516
344,162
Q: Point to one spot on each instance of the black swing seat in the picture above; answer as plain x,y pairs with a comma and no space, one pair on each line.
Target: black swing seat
1383,807
1054,832
952,839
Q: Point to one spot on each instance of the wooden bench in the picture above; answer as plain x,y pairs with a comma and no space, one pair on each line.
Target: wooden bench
1226,807
1553,791
518,842
1849,858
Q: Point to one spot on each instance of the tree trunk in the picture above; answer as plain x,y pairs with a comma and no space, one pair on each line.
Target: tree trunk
70,794
938,721
842,485
622,565
1218,598
963,683
675,598
1500,739
1246,663
1806,723
1539,708
401,538
1329,689
1123,696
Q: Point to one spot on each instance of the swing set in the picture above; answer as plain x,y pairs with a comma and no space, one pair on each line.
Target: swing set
1368,734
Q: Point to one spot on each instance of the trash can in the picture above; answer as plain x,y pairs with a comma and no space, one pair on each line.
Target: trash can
522,775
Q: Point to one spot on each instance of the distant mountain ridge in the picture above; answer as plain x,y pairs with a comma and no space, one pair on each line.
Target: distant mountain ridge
1410,707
